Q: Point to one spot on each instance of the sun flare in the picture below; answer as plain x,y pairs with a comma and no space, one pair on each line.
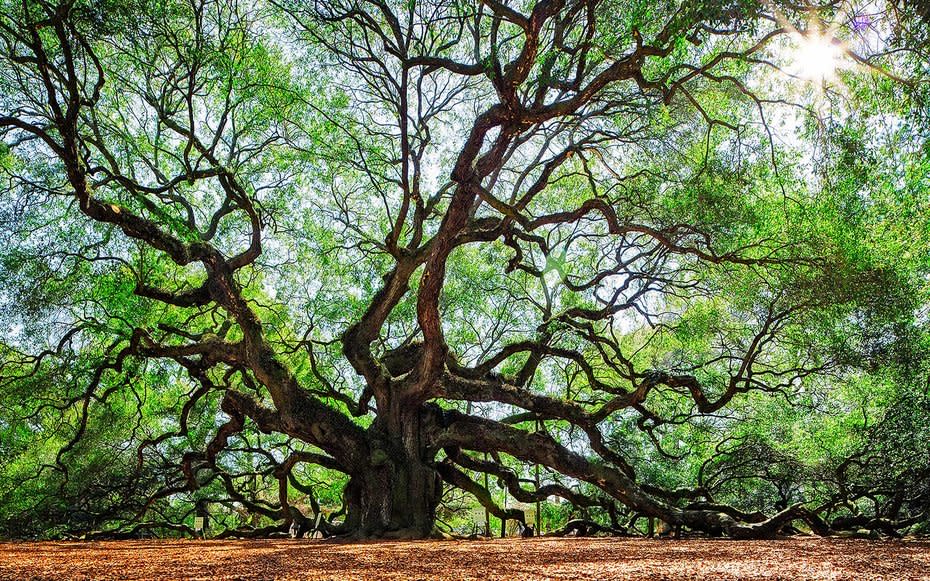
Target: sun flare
818,57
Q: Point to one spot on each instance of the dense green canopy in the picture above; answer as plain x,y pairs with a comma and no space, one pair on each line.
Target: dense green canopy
379,268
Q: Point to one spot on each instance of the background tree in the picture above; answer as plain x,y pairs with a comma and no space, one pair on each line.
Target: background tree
379,250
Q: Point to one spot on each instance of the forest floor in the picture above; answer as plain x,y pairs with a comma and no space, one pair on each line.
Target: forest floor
540,558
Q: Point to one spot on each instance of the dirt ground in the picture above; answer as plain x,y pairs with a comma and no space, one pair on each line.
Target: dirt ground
489,559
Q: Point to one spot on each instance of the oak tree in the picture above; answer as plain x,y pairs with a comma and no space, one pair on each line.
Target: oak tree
419,244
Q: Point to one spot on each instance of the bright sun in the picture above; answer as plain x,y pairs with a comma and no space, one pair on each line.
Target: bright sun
818,57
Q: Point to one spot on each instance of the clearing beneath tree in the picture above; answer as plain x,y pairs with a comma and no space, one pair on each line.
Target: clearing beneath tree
806,558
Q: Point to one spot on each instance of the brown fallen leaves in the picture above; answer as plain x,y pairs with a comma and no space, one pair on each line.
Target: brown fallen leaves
540,558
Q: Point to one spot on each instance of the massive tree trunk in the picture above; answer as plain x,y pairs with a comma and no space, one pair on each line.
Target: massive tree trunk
395,494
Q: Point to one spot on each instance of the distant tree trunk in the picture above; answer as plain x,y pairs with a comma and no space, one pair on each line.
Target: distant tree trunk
504,520
536,482
487,513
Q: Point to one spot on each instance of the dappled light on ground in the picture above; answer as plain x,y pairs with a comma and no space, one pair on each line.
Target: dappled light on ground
493,559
